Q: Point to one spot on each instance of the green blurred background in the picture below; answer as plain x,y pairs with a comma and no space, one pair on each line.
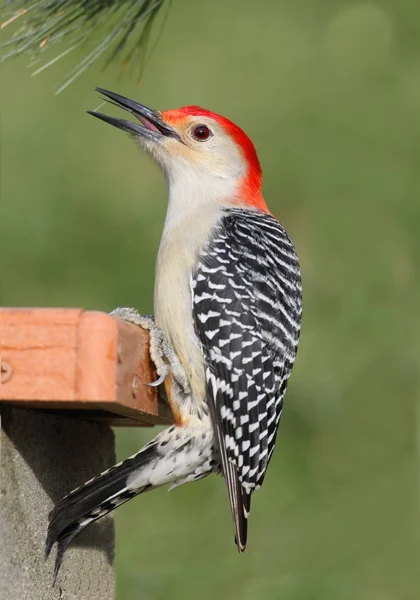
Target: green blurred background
330,93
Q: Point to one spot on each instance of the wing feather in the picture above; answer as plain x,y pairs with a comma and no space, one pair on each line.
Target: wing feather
247,313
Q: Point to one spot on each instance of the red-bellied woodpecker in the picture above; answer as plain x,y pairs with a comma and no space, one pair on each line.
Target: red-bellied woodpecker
227,320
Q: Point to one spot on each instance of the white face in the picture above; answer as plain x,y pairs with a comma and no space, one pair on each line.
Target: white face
198,151
204,160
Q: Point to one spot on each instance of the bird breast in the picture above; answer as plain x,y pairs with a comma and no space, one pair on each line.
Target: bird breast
173,306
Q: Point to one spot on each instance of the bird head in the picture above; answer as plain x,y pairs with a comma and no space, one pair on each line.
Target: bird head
201,153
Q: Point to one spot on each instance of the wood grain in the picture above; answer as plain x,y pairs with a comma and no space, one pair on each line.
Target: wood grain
85,362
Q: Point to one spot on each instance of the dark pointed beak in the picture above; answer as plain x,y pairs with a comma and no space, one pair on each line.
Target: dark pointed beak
151,125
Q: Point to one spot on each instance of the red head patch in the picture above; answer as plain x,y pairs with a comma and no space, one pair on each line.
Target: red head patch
250,190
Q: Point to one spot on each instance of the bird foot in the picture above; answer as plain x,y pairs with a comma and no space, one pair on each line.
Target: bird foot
161,351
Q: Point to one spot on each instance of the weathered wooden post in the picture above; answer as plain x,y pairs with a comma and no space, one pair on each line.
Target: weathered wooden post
67,376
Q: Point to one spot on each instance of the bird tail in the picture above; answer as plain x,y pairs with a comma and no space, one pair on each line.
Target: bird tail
98,497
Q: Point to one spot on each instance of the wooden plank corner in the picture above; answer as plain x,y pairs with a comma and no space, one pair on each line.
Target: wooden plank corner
85,362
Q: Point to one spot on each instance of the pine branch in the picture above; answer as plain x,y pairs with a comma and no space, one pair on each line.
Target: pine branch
119,26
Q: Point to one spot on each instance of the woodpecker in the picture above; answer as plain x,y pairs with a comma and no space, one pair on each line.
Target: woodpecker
228,306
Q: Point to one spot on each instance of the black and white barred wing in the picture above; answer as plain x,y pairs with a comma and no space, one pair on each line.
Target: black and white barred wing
247,311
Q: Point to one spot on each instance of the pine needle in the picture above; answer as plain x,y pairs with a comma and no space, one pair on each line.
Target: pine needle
121,27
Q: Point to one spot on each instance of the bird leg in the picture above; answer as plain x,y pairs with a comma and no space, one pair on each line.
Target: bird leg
161,351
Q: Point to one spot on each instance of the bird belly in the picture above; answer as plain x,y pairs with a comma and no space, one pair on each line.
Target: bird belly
173,312
176,262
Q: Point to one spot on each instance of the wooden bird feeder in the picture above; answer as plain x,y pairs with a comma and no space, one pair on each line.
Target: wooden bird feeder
85,363
67,375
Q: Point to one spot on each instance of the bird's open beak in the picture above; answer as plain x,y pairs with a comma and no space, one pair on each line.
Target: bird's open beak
151,124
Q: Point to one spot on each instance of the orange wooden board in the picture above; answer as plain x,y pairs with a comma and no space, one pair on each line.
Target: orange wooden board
81,361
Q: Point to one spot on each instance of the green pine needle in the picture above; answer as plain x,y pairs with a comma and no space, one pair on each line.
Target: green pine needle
116,25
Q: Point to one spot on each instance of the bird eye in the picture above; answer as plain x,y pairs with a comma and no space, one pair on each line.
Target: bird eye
201,133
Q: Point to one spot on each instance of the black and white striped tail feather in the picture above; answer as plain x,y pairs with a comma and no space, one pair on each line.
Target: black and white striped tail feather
93,500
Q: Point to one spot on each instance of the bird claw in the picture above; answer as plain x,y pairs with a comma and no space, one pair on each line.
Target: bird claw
158,381
131,315
161,351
